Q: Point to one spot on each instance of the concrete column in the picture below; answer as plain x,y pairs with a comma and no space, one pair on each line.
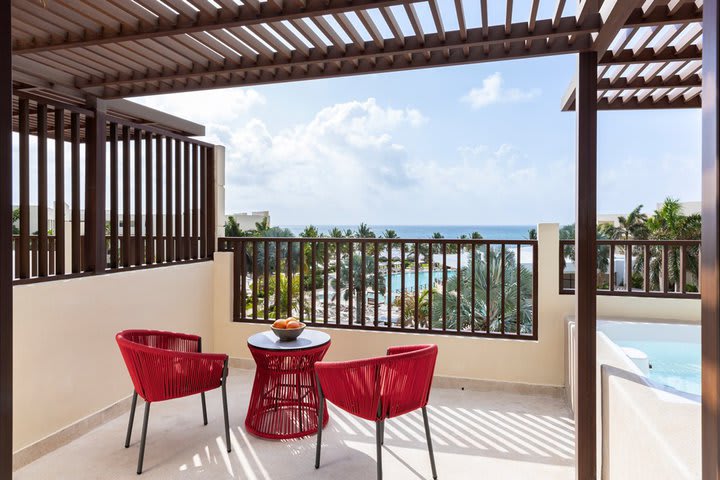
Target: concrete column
219,192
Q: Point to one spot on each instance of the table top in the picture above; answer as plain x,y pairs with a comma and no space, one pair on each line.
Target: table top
308,339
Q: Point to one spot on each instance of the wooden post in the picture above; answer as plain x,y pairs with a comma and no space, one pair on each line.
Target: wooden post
6,292
710,250
95,255
586,266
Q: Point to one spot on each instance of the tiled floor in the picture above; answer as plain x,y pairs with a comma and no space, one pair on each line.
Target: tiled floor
476,434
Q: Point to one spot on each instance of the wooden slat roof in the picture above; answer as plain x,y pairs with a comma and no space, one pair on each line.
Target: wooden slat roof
123,48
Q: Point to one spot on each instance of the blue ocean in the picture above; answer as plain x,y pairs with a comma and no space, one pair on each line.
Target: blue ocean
489,232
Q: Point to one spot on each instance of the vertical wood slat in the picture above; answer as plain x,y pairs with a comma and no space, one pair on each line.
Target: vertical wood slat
612,268
665,270
472,286
363,288
243,279
127,259
75,190
646,268
288,279
24,174
95,189
325,282
277,279
203,203
417,284
502,289
683,279
186,201
210,195
149,237
237,279
488,282
388,291
313,268
430,284
16,254
535,290
138,230
59,191
195,203
301,300
458,279
266,279
159,227
518,288
338,255
254,257
42,128
444,286
351,275
114,195
628,268
33,256
376,293
402,285
178,202
169,212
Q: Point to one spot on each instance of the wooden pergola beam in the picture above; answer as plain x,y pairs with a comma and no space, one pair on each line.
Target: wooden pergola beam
658,82
614,14
245,15
371,51
648,55
378,64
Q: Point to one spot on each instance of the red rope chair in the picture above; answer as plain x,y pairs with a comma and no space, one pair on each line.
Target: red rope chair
380,388
166,365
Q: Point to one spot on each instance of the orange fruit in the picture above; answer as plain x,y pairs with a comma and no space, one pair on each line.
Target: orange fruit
293,324
281,324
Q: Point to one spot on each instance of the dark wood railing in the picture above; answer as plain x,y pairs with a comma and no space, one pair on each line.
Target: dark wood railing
160,182
461,287
639,268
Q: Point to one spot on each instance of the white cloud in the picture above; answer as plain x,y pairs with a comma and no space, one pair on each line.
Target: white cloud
493,91
336,165
210,108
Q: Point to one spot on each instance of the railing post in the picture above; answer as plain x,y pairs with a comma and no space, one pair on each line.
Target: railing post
216,194
6,259
95,254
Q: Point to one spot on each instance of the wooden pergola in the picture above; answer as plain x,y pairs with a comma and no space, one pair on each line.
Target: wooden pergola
632,54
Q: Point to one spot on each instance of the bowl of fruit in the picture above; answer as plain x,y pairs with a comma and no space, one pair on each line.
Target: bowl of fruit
288,329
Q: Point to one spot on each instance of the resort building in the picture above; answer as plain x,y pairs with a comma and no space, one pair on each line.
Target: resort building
418,358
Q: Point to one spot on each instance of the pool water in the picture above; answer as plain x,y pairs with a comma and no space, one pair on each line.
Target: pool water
673,363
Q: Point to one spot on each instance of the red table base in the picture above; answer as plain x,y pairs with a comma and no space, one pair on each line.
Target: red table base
284,399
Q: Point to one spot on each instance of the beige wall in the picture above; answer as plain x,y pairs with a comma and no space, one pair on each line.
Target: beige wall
66,362
532,362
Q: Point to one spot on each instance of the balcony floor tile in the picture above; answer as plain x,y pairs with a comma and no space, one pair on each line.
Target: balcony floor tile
476,434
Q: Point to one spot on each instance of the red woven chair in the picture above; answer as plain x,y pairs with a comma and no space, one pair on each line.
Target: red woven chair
166,365
380,388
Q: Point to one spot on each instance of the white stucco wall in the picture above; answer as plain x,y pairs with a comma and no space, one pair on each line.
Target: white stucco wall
66,362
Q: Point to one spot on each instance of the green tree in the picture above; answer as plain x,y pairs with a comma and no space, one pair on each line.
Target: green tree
310,232
423,315
335,232
232,229
262,227
280,310
389,233
16,221
364,231
485,309
532,234
476,236
634,226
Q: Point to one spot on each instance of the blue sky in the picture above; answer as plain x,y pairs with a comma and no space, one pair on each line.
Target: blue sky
477,144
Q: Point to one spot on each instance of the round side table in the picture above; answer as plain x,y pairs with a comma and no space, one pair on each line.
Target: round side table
284,399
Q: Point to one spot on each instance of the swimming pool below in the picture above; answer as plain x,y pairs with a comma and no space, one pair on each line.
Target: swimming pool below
673,350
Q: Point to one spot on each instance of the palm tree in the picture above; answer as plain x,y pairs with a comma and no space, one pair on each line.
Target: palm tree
389,233
633,226
357,281
310,232
436,236
476,236
335,232
232,229
364,231
485,310
280,310
262,226
532,234
408,318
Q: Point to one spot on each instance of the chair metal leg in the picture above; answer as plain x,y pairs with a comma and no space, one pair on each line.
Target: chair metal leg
429,441
202,397
321,419
378,442
141,455
132,418
382,433
225,407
